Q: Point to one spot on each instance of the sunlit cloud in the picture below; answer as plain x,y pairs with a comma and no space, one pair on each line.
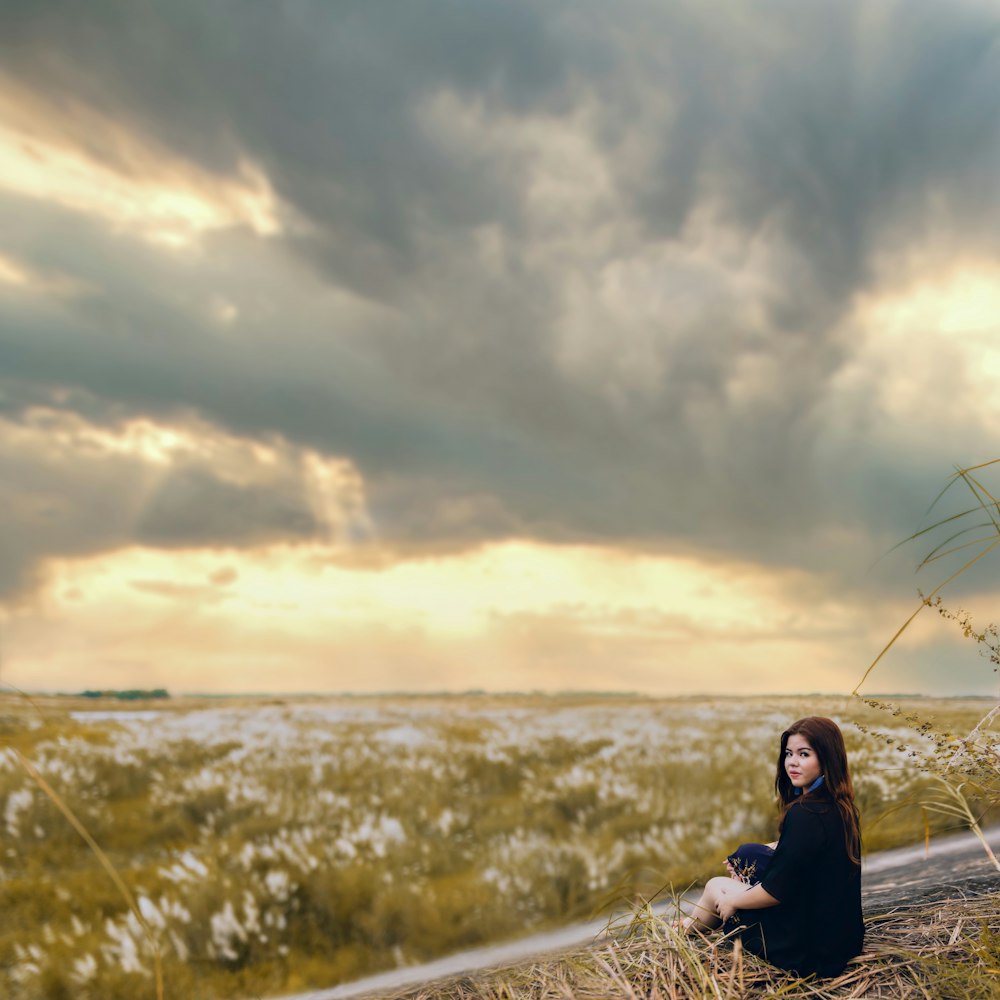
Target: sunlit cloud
932,338
960,306
163,199
61,432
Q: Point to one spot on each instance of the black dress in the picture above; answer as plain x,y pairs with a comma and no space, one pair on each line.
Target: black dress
816,928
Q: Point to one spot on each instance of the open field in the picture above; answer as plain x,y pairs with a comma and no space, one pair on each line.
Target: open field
278,846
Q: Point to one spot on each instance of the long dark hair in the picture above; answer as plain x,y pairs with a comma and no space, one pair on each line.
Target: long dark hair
827,741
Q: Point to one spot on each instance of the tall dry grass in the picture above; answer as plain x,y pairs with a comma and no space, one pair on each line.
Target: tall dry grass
926,951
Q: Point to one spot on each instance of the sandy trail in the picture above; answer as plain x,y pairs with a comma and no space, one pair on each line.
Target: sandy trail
889,876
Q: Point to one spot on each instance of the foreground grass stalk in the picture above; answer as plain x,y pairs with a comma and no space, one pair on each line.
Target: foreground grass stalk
925,602
105,861
985,503
958,805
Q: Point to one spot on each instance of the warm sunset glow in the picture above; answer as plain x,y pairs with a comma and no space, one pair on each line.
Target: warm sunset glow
466,606
964,301
964,307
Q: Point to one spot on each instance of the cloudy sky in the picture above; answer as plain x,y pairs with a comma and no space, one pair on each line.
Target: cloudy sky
505,345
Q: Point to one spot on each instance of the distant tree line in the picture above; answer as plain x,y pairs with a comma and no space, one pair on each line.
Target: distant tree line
133,694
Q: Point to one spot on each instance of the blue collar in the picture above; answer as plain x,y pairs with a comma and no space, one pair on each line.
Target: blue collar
812,787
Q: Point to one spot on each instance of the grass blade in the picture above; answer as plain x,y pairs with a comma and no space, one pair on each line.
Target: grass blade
104,860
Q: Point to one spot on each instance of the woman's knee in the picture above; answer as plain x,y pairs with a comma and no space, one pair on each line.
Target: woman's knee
717,882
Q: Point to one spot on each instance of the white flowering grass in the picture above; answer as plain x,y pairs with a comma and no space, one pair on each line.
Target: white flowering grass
273,847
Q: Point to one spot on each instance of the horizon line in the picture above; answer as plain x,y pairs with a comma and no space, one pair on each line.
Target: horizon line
504,693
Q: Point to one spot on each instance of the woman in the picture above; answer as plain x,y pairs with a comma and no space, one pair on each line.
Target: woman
803,913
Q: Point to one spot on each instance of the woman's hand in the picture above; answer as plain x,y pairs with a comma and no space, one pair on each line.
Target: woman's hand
728,900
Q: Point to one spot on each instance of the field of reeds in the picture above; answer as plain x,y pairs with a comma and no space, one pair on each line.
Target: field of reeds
273,847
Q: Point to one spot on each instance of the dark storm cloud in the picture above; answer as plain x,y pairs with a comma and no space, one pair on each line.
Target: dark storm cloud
195,508
323,96
811,141
66,494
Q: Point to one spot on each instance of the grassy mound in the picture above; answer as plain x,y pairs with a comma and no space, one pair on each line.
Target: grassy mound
933,949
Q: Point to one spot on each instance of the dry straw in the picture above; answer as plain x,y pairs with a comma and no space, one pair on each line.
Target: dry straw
928,951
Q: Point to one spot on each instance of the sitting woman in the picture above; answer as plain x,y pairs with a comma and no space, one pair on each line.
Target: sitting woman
798,906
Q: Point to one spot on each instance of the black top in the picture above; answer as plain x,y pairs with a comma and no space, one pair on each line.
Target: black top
816,926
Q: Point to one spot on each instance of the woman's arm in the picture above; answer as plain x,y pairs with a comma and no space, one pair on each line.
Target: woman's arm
756,897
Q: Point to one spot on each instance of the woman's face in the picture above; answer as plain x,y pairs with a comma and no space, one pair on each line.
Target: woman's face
801,762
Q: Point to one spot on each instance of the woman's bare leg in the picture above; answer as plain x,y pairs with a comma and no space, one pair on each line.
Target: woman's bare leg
705,915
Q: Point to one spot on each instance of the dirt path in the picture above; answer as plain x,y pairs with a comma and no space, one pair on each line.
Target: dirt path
950,866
